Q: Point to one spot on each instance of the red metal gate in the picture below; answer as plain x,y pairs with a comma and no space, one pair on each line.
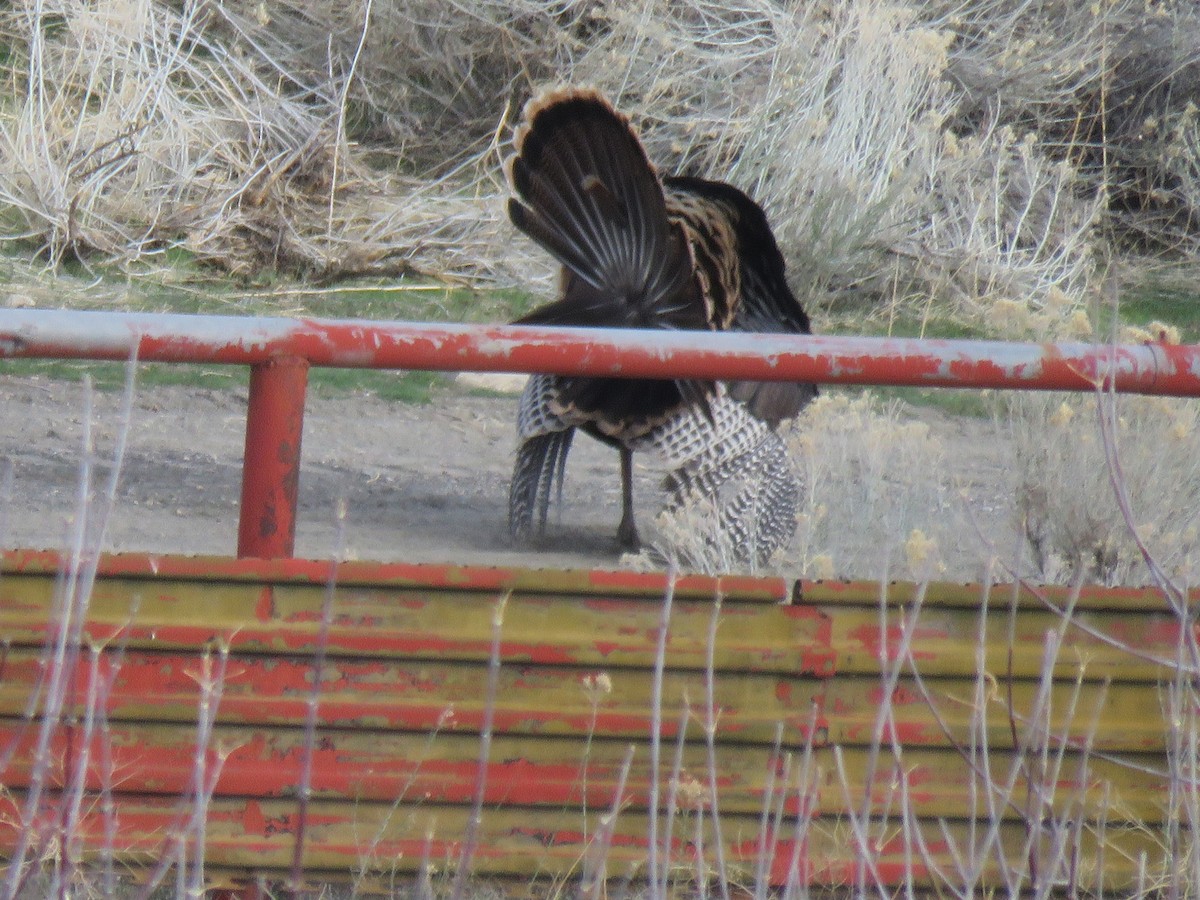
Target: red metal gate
280,351
831,649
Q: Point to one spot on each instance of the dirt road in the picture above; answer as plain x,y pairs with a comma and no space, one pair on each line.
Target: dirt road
420,483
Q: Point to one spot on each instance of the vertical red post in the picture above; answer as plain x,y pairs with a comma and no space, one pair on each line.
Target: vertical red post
271,465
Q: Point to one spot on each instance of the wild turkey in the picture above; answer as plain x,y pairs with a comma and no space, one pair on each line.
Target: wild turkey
643,252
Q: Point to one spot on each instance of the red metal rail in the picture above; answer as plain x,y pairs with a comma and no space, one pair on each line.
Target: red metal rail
274,417
1138,368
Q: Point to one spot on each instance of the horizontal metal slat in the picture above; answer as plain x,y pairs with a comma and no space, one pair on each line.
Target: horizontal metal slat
428,624
573,772
549,700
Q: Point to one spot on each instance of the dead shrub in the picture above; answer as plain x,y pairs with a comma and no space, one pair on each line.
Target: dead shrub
1065,500
1110,87
877,498
133,129
925,152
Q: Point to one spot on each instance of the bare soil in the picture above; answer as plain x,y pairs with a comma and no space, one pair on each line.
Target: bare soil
419,482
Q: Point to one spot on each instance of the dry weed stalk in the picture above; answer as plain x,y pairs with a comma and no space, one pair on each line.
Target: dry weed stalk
1182,850
771,816
594,876
869,818
1068,511
674,789
140,126
470,840
902,149
61,660
871,476
660,660
712,716
312,705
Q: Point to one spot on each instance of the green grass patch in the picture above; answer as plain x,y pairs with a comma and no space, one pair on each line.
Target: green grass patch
404,387
110,376
1158,300
952,401
403,300
177,283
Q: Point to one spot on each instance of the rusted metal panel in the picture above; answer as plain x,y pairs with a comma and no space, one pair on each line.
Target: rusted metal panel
438,612
600,631
995,597
399,695
403,691
247,340
421,696
403,646
1113,719
434,625
571,771
433,576
1095,644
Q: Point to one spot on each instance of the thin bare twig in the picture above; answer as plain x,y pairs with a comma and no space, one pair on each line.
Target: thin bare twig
711,718
807,779
471,838
656,689
685,714
304,783
592,884
884,727
761,861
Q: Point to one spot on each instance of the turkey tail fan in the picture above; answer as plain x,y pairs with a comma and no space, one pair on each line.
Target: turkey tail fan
538,472
588,194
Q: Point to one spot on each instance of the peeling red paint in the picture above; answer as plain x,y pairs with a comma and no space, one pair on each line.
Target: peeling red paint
400,709
900,696
264,610
393,575
253,819
1151,368
271,463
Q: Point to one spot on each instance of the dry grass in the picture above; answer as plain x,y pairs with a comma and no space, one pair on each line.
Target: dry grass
922,152
1065,499
878,497
135,129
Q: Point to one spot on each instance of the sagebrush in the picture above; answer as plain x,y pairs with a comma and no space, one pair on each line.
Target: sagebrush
929,150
